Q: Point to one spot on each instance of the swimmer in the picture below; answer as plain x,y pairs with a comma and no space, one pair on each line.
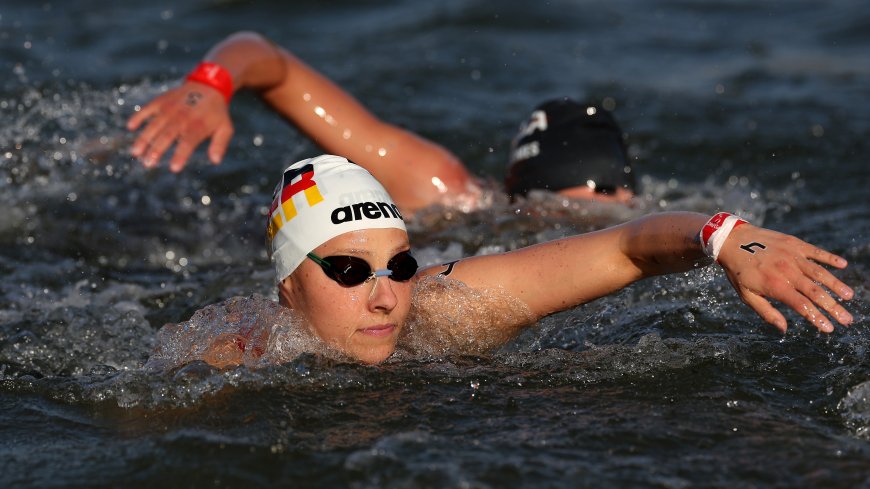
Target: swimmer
564,146
344,264
574,149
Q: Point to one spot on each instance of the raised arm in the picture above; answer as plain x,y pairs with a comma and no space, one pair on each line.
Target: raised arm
193,112
416,171
560,274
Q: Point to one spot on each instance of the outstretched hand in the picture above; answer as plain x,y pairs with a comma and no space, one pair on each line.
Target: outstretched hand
184,116
763,265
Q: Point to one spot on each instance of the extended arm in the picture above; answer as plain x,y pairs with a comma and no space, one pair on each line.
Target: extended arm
416,171
560,274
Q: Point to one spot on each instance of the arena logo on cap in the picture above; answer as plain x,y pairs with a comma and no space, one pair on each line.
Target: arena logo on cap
306,184
365,210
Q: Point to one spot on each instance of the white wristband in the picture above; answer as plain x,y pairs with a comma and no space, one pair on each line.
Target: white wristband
716,231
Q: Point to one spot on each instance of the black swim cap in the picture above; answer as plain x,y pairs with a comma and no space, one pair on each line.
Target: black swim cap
564,144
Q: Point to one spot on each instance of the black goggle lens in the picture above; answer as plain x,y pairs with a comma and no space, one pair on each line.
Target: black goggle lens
403,266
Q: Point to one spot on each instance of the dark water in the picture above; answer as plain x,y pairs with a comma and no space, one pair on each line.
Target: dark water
757,107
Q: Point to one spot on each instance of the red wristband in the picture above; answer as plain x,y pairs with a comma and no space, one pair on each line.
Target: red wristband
716,231
215,76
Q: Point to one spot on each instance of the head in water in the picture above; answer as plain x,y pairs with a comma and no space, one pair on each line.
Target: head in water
341,255
570,148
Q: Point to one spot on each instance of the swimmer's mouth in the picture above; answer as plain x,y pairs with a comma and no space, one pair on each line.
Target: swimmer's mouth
379,330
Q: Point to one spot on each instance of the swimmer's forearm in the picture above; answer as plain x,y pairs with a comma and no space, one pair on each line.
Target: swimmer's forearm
560,274
251,59
664,243
602,262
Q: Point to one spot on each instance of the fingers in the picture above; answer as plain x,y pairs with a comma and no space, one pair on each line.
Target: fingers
819,274
137,118
764,309
810,287
821,256
183,150
803,296
190,137
219,143
821,298
805,302
805,307
159,143
143,147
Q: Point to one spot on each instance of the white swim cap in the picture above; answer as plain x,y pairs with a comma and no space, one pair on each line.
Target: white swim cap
318,199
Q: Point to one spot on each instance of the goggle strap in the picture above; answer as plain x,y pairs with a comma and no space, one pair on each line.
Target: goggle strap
318,260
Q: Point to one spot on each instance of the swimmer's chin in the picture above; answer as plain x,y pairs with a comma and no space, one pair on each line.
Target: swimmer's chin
371,344
372,355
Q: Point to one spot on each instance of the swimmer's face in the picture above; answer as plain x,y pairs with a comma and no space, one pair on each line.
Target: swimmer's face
363,321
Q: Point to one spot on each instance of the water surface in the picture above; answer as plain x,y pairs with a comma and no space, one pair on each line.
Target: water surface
758,108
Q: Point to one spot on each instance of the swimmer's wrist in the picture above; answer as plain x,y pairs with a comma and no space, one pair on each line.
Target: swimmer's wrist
215,76
714,233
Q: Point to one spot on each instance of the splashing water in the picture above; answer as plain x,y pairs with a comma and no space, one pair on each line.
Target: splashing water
672,382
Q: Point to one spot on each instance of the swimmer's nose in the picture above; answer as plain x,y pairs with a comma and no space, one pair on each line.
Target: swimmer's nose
382,296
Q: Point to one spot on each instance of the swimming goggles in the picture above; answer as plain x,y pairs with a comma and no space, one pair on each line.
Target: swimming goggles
351,270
